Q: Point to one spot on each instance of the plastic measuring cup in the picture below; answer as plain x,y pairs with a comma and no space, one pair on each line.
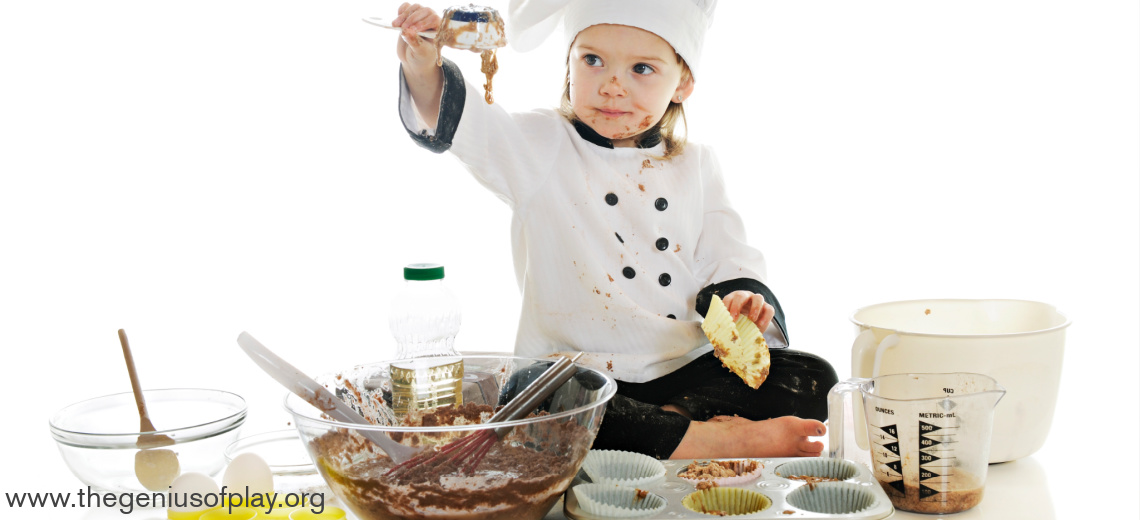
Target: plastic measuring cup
929,436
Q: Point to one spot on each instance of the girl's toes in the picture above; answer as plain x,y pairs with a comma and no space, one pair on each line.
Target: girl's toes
809,449
812,428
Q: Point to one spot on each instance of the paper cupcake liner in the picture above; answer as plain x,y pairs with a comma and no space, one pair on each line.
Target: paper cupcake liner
617,501
727,501
838,469
746,469
833,498
622,468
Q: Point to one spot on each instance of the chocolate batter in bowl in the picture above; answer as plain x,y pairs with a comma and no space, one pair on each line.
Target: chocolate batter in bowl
520,478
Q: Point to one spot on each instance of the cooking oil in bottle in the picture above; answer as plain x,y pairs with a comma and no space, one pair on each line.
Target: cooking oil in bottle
424,320
425,383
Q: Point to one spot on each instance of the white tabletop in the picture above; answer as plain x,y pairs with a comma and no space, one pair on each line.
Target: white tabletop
1014,490
1038,487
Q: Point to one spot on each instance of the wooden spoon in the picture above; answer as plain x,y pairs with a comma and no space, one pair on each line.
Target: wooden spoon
146,440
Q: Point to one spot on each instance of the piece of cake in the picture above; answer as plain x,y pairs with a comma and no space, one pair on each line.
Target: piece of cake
739,345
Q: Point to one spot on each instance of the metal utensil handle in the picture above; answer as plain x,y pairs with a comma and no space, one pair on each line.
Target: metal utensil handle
512,406
379,22
528,401
537,392
510,410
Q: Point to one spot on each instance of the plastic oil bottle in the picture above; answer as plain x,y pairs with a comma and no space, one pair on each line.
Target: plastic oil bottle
424,320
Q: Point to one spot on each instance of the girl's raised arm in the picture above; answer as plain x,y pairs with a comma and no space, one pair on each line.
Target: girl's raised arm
419,57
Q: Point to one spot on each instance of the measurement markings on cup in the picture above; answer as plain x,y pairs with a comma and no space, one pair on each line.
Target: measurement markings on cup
935,455
888,442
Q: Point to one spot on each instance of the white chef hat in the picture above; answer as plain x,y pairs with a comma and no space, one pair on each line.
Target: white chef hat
682,23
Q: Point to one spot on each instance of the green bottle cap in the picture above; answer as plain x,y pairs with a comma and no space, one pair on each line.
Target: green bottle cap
423,272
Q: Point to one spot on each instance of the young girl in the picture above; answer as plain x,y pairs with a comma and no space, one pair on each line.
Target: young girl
621,231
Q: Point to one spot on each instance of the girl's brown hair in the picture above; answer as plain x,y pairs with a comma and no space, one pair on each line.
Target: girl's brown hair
674,143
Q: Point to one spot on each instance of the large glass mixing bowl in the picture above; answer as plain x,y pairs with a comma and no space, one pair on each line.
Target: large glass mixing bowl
520,478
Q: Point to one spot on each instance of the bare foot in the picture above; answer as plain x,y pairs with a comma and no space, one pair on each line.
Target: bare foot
726,437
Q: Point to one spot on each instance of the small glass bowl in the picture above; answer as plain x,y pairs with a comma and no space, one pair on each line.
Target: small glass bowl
293,470
98,437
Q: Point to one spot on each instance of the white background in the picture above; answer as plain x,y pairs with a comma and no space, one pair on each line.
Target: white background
189,170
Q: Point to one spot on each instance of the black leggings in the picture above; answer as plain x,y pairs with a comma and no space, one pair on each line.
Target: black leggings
797,385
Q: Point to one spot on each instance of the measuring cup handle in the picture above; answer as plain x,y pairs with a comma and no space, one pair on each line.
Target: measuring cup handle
836,417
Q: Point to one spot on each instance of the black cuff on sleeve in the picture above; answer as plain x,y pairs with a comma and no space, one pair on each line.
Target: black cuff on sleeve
722,289
450,109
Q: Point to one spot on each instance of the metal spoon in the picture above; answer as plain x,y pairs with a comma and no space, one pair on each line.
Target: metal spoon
317,395
379,22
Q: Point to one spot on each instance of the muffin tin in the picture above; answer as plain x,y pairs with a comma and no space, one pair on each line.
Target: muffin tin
622,468
856,496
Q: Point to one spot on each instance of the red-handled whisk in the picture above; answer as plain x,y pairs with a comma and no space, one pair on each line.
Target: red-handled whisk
469,451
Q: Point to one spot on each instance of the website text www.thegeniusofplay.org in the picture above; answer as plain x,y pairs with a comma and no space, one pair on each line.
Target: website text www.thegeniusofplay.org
127,502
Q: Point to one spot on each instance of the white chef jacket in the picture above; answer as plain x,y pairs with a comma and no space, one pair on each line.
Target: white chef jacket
587,231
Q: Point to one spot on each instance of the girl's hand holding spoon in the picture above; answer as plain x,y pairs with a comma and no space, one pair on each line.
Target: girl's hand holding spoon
412,51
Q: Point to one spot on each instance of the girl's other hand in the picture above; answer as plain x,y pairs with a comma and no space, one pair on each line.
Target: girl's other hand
751,305
416,53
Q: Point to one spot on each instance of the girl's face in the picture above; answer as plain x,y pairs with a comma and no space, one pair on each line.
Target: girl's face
622,79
